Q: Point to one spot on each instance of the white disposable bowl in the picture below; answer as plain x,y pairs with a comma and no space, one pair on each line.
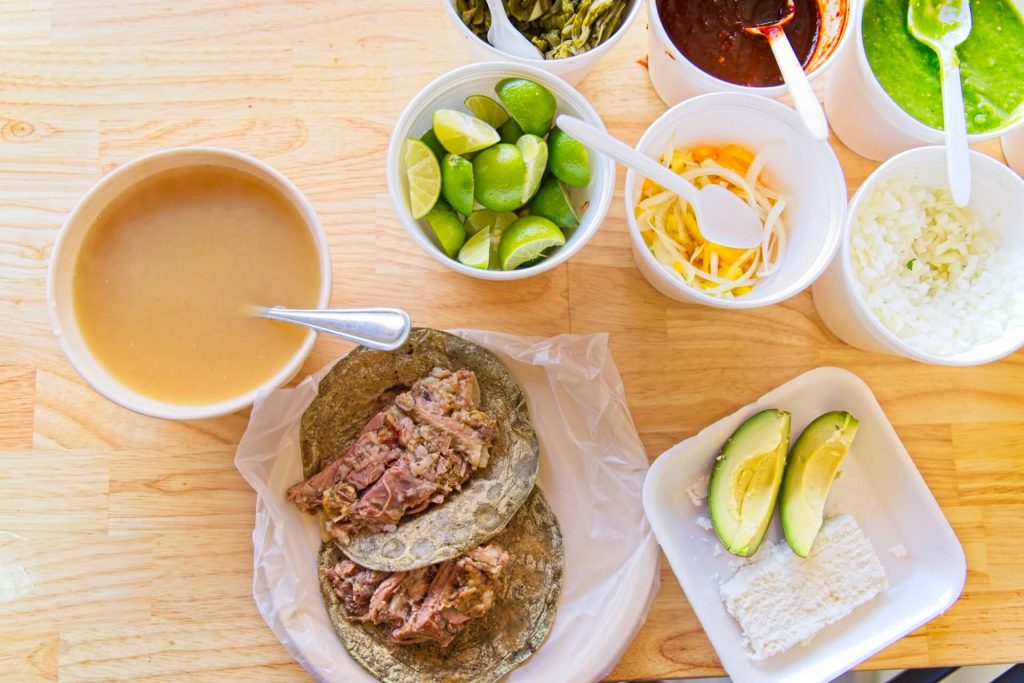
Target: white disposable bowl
867,119
805,171
570,69
448,92
997,198
675,78
72,235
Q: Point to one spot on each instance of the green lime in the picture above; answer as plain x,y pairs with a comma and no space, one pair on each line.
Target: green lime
529,103
424,176
535,156
430,140
447,227
461,133
457,183
476,252
488,220
552,201
568,159
500,176
510,131
527,239
487,110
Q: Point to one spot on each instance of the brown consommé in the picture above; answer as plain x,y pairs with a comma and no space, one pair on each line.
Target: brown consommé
167,276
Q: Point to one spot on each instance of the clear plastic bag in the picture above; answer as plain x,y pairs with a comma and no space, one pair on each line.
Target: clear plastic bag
592,469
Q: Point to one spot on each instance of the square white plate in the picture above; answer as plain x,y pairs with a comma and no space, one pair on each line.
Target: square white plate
879,486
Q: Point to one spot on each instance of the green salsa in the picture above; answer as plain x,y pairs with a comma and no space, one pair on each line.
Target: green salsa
991,64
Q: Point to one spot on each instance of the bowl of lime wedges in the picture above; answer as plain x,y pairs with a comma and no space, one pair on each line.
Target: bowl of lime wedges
483,180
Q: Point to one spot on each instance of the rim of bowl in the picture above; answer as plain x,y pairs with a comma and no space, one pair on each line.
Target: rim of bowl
766,107
910,125
772,91
591,219
580,60
909,158
116,391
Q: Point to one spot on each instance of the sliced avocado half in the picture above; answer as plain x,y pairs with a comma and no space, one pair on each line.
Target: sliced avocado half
810,470
745,481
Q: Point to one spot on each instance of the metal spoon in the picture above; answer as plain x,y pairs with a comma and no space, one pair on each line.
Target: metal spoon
384,329
722,217
506,37
769,22
942,25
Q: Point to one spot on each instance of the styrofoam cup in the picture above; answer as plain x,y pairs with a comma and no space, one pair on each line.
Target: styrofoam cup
806,171
675,78
997,199
866,118
570,69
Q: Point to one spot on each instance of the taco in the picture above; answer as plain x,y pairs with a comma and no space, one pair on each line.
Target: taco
471,618
415,456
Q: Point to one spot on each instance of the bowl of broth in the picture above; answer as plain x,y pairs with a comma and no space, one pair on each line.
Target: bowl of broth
158,270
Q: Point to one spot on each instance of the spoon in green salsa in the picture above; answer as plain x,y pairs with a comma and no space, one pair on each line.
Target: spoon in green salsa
942,25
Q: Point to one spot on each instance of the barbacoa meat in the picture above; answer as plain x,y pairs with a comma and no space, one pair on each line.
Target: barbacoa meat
427,605
408,456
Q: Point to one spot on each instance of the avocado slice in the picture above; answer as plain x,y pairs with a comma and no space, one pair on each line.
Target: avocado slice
745,481
810,470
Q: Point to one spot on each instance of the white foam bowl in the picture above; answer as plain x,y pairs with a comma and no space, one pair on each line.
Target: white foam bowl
448,92
805,171
997,198
571,69
69,243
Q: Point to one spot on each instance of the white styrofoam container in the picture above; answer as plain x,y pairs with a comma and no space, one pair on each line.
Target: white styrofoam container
880,487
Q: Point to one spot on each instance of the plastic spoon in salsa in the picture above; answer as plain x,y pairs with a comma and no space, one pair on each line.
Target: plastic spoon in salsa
506,37
722,217
942,25
769,19
384,329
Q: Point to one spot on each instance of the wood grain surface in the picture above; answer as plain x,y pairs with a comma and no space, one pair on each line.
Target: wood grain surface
125,549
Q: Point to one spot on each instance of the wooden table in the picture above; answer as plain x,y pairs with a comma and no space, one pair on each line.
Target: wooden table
125,541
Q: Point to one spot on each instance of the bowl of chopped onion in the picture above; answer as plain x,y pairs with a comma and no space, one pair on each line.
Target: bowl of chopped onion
760,150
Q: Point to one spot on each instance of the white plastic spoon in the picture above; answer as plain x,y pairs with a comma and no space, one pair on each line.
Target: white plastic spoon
722,217
506,37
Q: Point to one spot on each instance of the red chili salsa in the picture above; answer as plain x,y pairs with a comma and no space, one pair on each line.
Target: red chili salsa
710,34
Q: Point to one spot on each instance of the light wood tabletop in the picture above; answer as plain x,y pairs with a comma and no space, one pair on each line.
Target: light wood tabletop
125,549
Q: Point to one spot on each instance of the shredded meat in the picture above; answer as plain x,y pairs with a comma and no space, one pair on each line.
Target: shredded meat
409,456
428,605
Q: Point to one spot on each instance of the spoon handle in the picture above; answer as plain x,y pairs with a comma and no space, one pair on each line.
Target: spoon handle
804,100
384,329
954,121
627,156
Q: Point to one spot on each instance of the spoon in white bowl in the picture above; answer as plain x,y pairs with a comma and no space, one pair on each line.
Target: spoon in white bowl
722,217
384,329
770,22
506,37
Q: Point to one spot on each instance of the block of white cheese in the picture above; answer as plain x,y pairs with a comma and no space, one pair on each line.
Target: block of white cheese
780,599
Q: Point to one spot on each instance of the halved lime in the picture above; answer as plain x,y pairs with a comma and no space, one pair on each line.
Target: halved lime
461,133
457,183
487,110
535,156
568,159
488,220
529,103
424,176
500,175
476,252
552,201
430,140
447,227
510,131
527,239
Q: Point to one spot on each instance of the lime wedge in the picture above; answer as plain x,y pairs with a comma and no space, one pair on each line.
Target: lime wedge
487,110
476,253
430,140
535,156
447,227
499,174
529,103
510,131
461,133
552,201
569,160
457,183
485,219
424,176
526,239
